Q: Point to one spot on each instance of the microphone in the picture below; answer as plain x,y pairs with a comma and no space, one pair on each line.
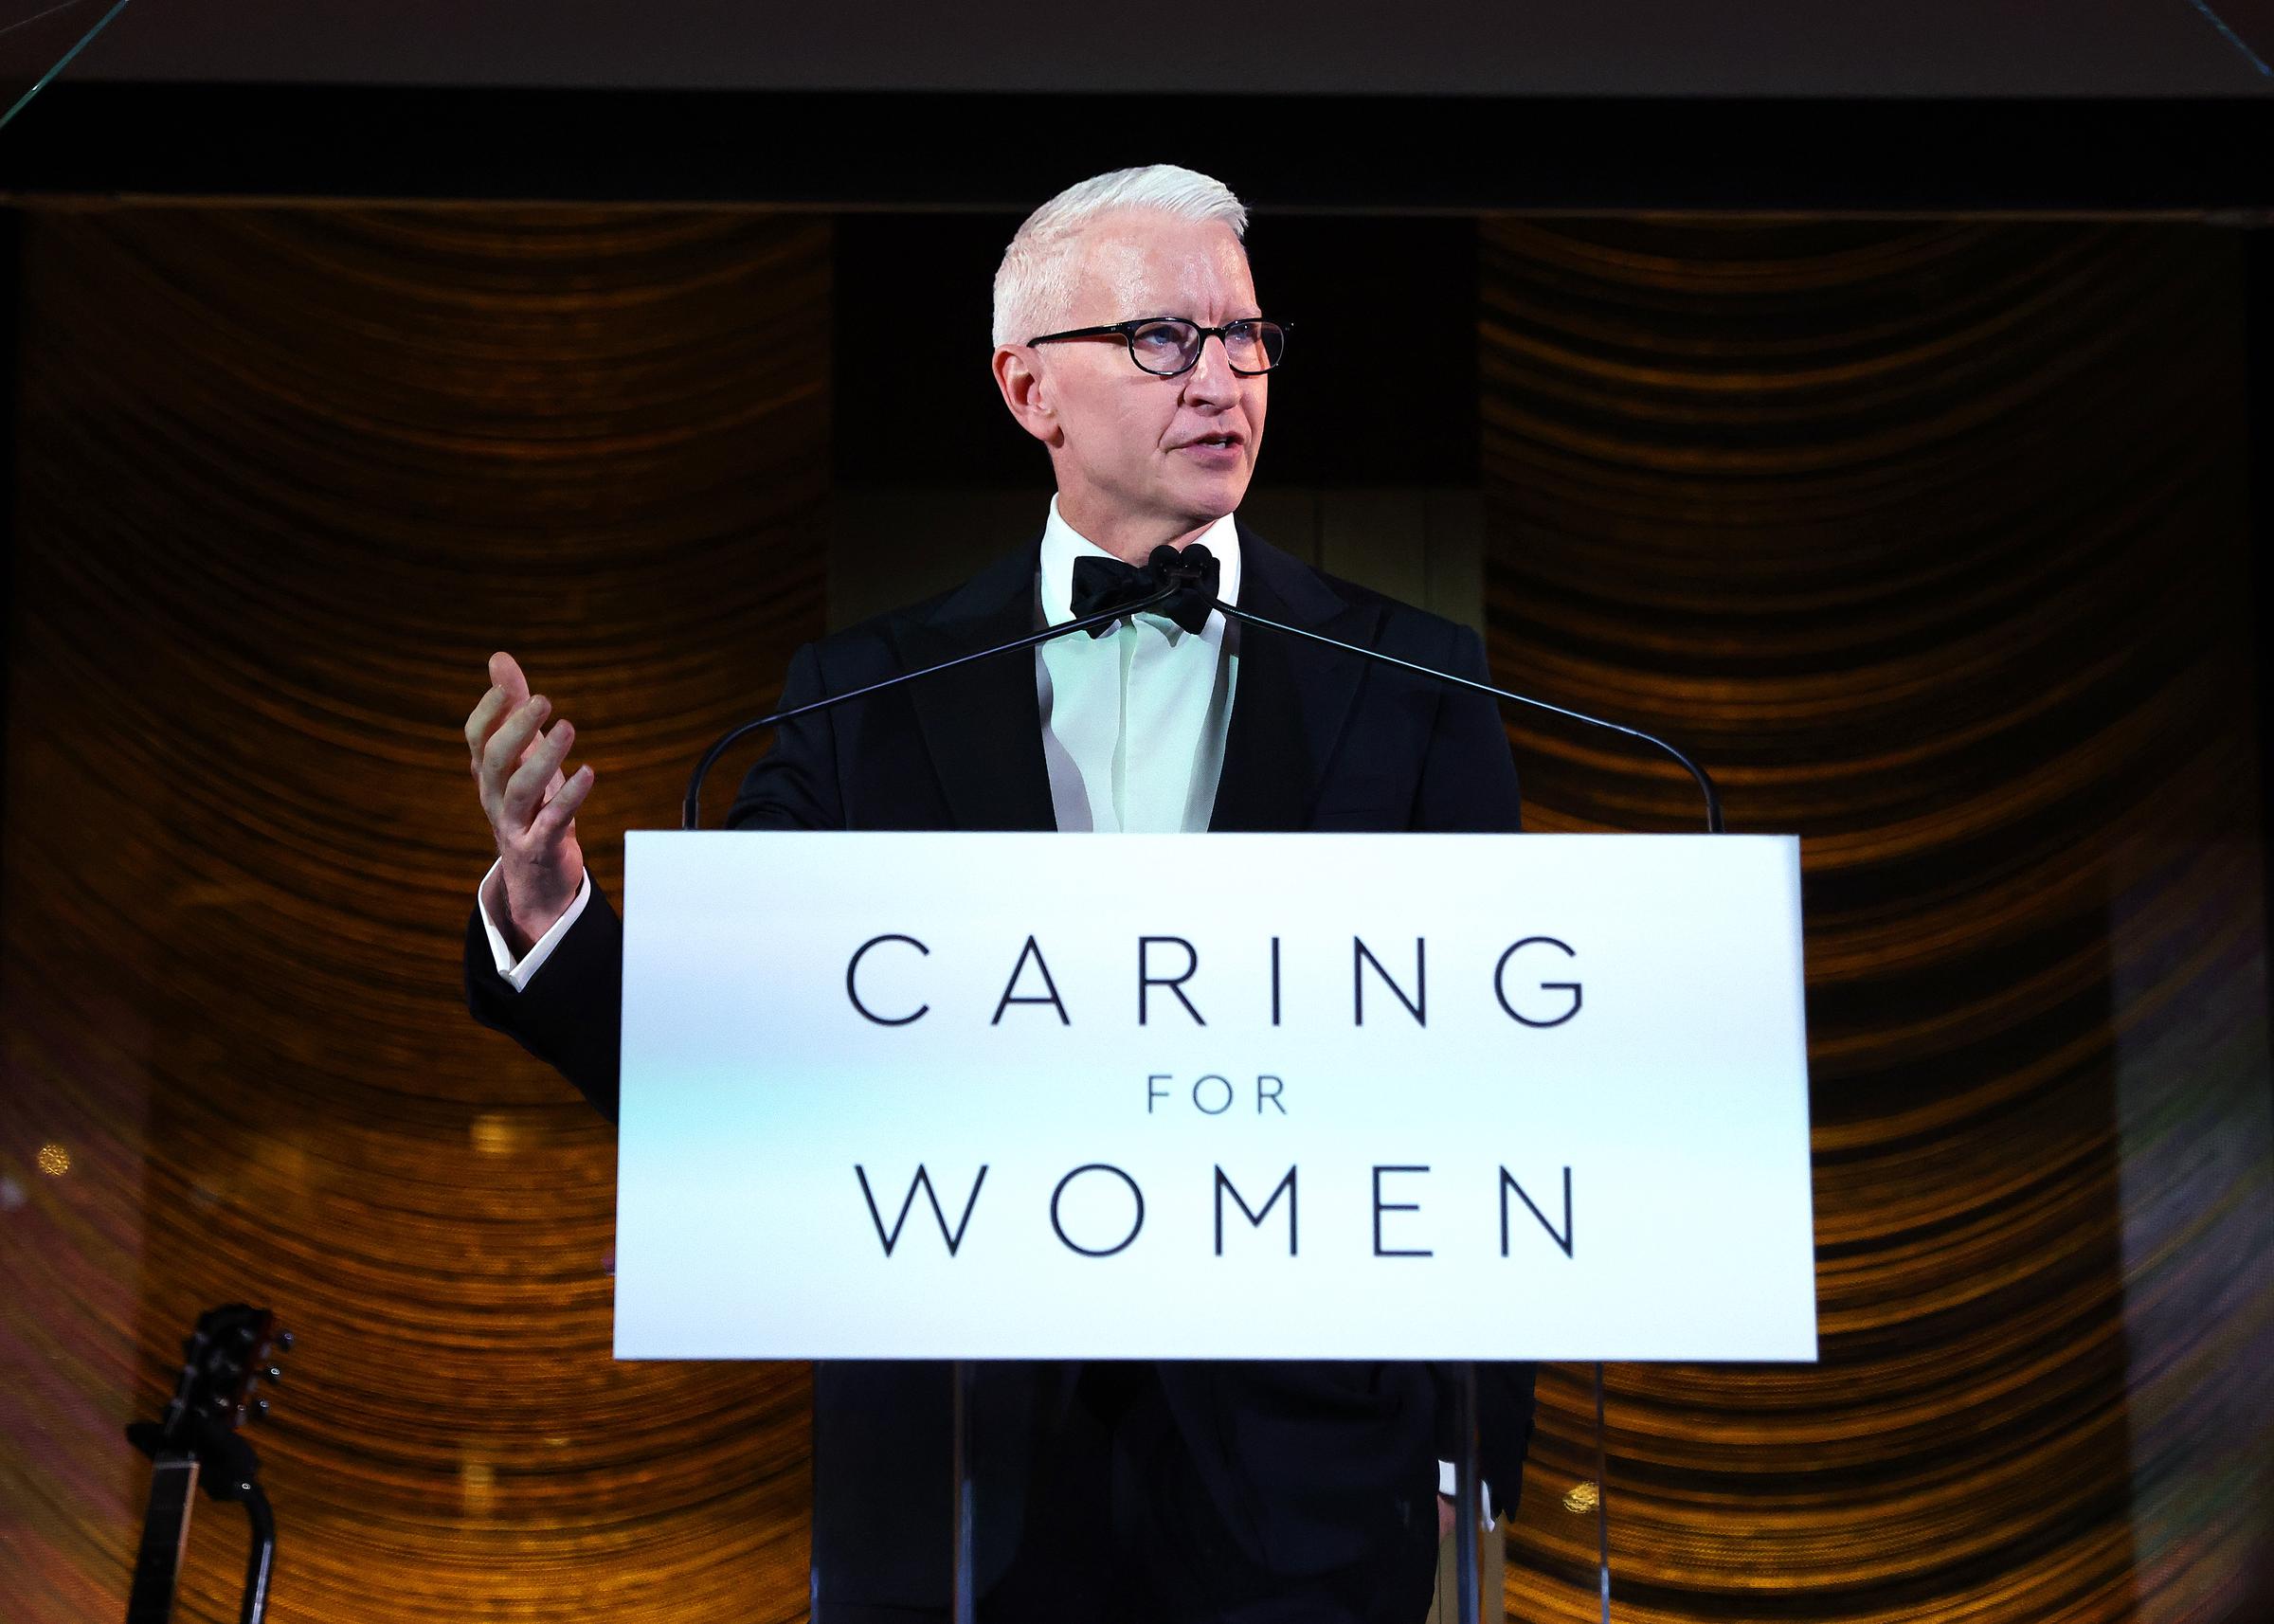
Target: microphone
691,810
1185,570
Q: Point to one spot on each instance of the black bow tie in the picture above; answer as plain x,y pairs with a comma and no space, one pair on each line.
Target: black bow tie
1102,584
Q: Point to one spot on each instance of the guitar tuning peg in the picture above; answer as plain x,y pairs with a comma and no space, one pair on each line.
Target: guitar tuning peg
273,1375
260,1409
284,1341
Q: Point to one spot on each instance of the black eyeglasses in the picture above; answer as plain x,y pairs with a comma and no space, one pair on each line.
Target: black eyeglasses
1166,345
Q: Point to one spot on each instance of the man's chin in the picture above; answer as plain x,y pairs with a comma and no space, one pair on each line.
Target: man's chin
1208,500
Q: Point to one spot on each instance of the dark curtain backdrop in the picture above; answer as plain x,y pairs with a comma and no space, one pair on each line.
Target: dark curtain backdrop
1931,537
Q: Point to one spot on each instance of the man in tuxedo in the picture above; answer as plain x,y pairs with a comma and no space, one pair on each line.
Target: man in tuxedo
1130,343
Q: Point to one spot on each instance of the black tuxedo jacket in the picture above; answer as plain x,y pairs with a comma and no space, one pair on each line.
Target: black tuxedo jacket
1298,1458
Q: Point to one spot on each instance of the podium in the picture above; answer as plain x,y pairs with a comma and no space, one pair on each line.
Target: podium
997,1108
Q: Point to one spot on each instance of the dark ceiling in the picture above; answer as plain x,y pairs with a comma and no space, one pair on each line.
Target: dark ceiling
1968,48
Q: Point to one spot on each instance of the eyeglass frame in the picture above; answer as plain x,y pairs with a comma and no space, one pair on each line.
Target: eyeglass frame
1127,333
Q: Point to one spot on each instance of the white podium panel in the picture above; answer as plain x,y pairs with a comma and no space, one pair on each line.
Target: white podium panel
1397,1096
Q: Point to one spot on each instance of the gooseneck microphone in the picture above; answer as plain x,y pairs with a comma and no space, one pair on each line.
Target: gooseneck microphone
691,810
1704,783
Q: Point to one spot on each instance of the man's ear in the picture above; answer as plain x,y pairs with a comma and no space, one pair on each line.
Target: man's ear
1025,393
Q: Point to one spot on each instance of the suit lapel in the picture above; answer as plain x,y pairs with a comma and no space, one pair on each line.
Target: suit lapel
1292,697
983,724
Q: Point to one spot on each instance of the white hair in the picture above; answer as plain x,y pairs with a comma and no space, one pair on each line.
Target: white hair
1034,286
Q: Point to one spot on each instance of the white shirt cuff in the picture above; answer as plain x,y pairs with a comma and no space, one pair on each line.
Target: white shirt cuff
1447,1483
517,975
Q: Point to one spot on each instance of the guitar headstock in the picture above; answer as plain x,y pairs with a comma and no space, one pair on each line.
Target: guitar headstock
225,1362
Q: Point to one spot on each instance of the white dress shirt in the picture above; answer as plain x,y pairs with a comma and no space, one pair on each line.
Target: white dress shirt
516,973
1133,722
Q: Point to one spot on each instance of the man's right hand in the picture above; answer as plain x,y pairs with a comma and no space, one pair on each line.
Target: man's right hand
532,806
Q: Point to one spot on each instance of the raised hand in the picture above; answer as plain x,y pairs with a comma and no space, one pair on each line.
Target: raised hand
531,805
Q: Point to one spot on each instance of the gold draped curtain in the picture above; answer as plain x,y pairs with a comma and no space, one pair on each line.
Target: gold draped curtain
1930,537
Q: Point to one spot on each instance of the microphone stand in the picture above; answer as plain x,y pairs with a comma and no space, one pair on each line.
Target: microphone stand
1468,1509
1467,1489
962,1502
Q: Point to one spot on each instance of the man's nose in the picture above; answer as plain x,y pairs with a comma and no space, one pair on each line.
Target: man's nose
1210,376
